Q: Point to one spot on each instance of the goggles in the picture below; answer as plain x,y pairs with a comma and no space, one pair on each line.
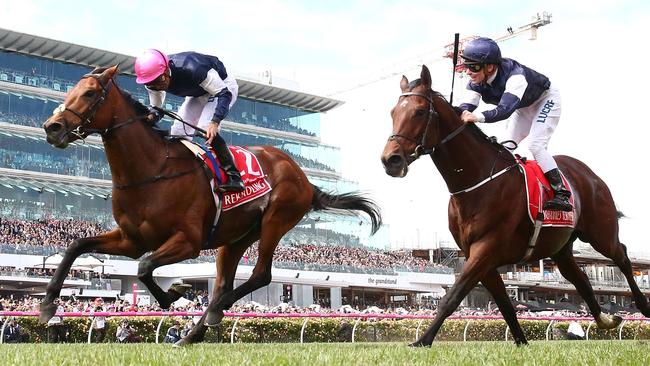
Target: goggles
474,67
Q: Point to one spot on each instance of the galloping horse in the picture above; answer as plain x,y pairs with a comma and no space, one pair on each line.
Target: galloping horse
487,212
162,200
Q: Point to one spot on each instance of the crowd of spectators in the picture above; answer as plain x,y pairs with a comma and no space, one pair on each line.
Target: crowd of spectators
55,164
56,235
53,233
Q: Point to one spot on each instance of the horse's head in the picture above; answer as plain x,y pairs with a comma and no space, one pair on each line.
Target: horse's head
414,125
82,111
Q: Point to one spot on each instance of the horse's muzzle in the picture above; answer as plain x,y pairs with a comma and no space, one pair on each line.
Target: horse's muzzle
395,165
56,134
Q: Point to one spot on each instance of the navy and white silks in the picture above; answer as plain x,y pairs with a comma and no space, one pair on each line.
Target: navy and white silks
208,90
527,99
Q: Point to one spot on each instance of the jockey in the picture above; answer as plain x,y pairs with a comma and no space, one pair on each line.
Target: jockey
209,94
521,94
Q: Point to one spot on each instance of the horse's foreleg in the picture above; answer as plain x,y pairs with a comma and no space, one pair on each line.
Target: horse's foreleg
475,269
111,242
494,284
175,249
569,269
227,261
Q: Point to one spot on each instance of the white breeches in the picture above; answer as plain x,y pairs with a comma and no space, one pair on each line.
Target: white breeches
537,122
199,110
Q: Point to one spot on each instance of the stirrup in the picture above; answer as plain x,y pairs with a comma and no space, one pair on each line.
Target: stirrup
557,204
231,186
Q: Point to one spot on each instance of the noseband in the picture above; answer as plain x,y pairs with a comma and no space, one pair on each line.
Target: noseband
419,148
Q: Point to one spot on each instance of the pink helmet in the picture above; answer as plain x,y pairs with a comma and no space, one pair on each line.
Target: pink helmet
148,66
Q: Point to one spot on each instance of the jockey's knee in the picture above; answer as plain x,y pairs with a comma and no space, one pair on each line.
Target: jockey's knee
538,147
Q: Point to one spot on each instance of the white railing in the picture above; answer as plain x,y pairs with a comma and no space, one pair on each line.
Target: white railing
306,316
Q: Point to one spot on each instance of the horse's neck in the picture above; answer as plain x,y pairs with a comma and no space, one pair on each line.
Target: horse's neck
467,159
133,152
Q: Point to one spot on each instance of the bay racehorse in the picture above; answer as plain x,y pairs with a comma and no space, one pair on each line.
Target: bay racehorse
162,201
489,222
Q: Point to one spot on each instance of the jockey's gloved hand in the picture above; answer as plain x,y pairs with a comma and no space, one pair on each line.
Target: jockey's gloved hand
154,115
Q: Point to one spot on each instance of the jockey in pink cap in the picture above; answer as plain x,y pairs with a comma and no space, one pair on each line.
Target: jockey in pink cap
209,94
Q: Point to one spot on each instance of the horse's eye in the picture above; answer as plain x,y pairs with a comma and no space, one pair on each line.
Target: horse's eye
420,112
89,94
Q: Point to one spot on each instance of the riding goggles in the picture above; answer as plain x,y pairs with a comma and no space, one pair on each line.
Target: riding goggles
474,67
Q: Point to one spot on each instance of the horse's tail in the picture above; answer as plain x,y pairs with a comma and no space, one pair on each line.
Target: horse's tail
352,201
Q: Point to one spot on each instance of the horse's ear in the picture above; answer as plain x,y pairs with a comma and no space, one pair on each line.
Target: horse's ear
425,77
404,84
110,72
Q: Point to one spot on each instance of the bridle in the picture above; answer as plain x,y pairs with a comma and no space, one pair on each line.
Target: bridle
419,148
82,131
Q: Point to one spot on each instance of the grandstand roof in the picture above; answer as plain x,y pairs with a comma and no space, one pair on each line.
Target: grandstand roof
88,56
41,182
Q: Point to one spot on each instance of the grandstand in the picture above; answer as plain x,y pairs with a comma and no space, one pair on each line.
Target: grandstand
45,191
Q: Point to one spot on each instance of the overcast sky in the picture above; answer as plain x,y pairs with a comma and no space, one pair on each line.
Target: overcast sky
596,52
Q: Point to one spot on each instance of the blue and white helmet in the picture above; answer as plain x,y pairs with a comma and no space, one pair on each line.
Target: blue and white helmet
482,50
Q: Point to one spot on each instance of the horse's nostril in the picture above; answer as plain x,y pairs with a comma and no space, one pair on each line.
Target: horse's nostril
53,127
394,160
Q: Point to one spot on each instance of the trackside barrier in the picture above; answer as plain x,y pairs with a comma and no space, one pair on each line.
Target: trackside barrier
306,316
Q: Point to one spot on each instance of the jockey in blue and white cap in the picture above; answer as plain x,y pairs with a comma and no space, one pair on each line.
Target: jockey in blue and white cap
523,96
209,94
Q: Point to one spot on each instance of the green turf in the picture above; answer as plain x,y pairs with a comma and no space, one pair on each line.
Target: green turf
443,353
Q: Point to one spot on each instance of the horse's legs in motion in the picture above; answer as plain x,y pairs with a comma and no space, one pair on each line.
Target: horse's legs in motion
613,249
475,269
177,248
227,261
274,226
494,284
569,269
111,242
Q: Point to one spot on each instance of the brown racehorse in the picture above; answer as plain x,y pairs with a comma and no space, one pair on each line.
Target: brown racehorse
490,223
162,200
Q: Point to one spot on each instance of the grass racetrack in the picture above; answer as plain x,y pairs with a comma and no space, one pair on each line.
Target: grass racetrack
442,353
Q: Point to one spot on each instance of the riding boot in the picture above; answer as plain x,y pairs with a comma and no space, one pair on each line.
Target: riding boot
234,182
561,200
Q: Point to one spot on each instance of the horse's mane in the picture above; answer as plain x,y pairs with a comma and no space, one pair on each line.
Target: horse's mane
470,126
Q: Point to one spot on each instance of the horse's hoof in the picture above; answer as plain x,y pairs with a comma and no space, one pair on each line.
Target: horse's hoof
212,319
606,321
181,343
419,344
47,311
180,288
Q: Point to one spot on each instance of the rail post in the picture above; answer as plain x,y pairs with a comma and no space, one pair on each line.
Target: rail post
90,329
232,331
589,327
548,329
302,330
354,328
465,331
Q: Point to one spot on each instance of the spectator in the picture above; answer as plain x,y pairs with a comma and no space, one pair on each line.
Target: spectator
14,333
99,327
187,328
173,333
575,331
55,327
126,333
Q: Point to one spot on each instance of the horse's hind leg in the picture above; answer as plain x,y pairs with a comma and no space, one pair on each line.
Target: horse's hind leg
612,248
175,249
111,242
227,260
274,226
494,284
570,270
